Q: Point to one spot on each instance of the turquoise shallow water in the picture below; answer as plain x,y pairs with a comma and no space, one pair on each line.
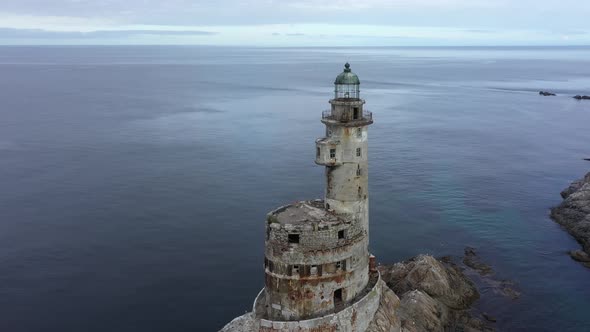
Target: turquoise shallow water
135,180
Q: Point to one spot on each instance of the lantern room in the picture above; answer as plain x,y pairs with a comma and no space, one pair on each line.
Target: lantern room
346,85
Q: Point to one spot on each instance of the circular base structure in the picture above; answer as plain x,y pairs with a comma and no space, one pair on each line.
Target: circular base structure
352,317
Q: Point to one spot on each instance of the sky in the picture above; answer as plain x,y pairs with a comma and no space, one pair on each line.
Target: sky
296,22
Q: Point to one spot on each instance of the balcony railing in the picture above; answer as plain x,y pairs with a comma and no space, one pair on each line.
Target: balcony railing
367,116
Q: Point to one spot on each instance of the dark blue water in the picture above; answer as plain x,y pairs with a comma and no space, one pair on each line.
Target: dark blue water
134,181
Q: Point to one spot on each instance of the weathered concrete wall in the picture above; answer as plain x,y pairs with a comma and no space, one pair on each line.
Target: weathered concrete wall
354,318
342,109
330,255
347,180
375,312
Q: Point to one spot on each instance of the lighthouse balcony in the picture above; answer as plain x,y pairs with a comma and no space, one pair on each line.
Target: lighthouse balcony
328,152
348,119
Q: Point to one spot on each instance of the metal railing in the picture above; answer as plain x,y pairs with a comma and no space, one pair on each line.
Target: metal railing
367,116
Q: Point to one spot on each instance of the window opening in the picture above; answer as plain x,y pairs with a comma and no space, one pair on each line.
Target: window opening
293,238
338,297
314,270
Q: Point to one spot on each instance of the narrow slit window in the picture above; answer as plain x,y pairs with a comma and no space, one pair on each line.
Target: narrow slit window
358,152
318,152
358,171
359,132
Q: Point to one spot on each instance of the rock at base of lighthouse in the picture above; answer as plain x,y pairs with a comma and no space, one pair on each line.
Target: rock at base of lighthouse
433,296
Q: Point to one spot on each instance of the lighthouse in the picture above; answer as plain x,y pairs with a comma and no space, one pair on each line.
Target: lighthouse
316,252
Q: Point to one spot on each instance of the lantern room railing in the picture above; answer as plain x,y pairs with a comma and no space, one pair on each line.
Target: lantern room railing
366,116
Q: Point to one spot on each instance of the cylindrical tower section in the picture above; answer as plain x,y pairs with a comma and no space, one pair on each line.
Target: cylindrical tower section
314,262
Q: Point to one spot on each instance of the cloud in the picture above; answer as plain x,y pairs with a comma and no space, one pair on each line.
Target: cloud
249,22
475,14
355,5
7,33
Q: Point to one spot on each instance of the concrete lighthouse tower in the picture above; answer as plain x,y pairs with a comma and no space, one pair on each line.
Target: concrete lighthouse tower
344,150
316,252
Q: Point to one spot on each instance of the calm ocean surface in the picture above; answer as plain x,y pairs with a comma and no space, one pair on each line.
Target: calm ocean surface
134,181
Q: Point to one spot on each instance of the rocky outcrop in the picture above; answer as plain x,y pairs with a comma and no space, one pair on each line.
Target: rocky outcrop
578,97
433,296
546,93
244,323
386,318
574,215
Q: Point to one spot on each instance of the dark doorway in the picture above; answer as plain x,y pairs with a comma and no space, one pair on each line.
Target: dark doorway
355,114
338,298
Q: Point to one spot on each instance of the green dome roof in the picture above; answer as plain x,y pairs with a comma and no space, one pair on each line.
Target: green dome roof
347,77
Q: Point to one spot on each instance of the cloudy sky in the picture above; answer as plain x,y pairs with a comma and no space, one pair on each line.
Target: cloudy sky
296,22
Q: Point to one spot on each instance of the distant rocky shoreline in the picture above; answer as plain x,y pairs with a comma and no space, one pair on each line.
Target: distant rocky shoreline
551,94
425,294
574,215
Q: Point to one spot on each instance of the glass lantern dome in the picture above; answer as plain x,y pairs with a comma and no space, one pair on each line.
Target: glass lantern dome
346,85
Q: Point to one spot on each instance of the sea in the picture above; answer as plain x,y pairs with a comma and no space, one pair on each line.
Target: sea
135,180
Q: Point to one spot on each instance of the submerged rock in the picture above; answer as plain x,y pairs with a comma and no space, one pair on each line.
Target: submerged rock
578,97
580,256
488,317
546,93
472,260
574,215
